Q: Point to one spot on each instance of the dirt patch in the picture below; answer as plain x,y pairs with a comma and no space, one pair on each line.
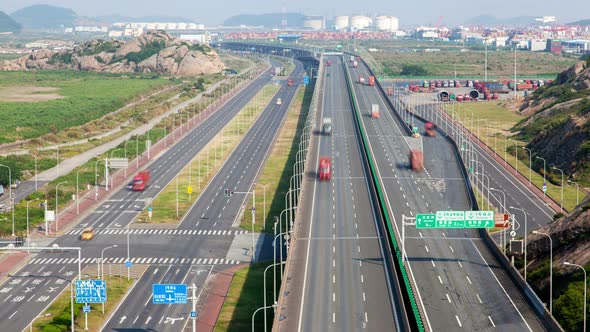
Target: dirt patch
28,94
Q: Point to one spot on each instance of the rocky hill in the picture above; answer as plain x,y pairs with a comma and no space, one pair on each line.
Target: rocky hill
152,52
558,122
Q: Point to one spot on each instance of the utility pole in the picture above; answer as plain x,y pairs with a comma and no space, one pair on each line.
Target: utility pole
193,314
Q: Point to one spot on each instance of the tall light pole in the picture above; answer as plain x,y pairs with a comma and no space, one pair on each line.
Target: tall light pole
96,179
550,269
577,191
561,203
126,156
28,237
262,308
10,194
264,202
253,193
56,206
525,236
486,178
102,265
585,286
544,171
77,192
530,163
35,156
504,208
128,271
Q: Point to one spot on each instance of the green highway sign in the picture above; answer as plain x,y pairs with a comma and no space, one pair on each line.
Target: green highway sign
426,220
456,219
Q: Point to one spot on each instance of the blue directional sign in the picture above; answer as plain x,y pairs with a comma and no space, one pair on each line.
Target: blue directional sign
169,293
86,309
306,80
193,314
128,264
150,208
544,186
91,291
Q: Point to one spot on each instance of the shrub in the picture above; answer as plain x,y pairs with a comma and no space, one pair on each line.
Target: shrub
413,70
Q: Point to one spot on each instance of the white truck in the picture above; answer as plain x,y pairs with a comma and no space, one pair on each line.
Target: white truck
327,126
375,111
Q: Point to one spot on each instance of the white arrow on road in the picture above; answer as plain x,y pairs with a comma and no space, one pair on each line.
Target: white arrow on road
147,320
122,319
172,320
117,225
156,271
84,225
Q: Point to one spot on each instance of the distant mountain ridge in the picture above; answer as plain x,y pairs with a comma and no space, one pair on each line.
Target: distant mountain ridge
38,17
580,22
271,20
8,24
490,20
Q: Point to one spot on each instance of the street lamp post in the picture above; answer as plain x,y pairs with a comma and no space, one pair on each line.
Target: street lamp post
544,171
504,208
77,192
112,180
126,156
56,206
262,308
264,202
525,236
585,285
488,196
577,191
10,193
561,203
264,288
530,163
28,237
102,265
550,269
96,179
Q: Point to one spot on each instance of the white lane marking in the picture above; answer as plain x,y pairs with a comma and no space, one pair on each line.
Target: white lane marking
432,261
448,298
491,321
469,280
458,321
478,298
504,290
460,265
453,250
426,247
440,279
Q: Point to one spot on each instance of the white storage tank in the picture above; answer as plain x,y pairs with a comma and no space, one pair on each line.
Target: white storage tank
342,22
313,22
359,22
386,23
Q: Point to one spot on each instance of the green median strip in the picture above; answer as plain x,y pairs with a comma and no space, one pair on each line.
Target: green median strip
278,168
244,297
194,177
495,123
57,317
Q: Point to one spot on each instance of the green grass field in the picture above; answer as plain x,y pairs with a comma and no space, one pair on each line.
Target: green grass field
74,99
495,122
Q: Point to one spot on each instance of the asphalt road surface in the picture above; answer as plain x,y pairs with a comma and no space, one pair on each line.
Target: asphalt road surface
345,286
460,284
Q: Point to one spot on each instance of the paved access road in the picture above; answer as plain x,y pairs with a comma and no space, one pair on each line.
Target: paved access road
342,283
460,284
28,291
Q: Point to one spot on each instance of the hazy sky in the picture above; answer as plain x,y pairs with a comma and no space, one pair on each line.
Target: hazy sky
213,12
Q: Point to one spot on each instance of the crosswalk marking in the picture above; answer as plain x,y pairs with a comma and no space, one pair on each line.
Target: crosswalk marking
138,260
111,231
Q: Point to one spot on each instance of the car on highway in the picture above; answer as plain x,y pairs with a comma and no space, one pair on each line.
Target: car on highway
87,234
279,101
324,169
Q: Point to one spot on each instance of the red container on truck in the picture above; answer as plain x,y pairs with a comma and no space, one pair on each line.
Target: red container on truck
324,168
429,128
371,80
416,160
459,97
140,181
358,58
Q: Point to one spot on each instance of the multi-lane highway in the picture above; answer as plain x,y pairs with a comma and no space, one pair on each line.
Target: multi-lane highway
214,212
342,271
459,283
31,289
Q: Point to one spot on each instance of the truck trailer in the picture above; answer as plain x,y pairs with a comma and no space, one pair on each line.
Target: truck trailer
140,181
416,160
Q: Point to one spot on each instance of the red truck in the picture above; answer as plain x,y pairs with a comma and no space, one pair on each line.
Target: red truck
140,181
328,63
290,82
416,160
371,80
324,169
429,129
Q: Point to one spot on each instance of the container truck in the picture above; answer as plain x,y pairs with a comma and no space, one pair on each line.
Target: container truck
429,129
327,126
351,58
324,168
355,64
416,160
328,63
371,80
140,181
290,82
375,111
361,79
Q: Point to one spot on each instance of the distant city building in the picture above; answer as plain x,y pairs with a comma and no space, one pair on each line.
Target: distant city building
204,38
168,26
81,28
314,23
538,45
576,46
